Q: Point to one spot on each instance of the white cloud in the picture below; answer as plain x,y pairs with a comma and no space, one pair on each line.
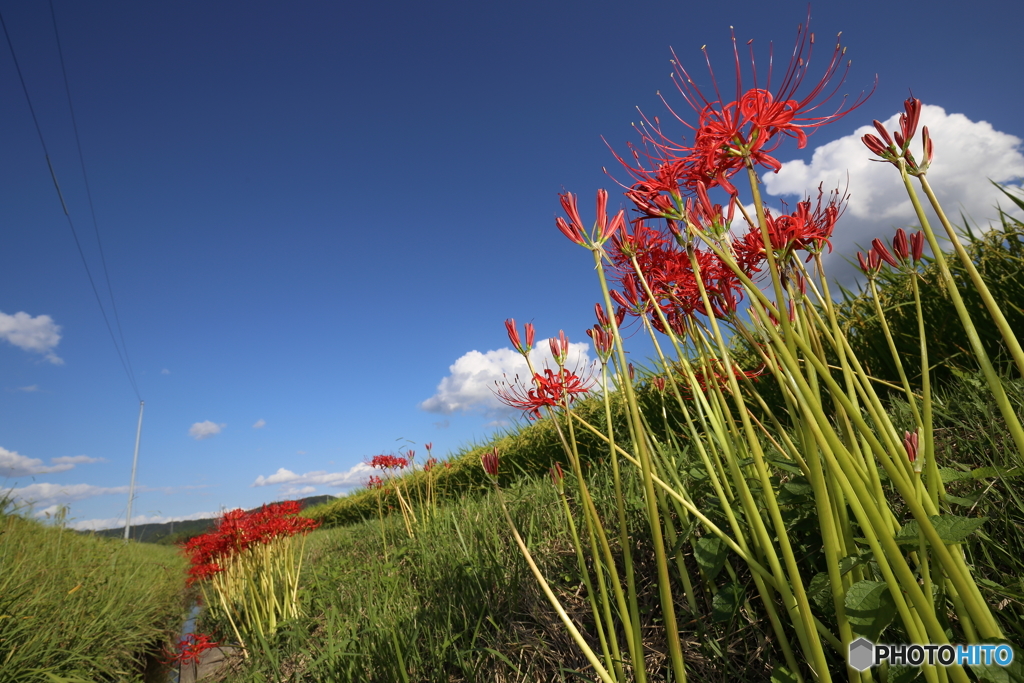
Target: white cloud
76,460
13,464
290,481
115,522
298,490
259,424
45,494
967,155
39,334
165,371
470,385
32,388
204,430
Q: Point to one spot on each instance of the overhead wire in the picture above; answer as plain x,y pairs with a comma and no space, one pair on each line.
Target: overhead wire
60,195
88,193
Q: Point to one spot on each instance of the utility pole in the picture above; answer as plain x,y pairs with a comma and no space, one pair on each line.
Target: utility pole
135,464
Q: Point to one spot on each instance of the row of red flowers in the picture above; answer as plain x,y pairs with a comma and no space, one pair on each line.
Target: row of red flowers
238,530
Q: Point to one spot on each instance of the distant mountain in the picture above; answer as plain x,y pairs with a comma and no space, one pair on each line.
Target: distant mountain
170,533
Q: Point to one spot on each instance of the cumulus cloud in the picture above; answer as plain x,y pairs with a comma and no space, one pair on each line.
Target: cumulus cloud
44,494
298,490
13,464
115,522
967,155
469,386
204,430
259,424
291,482
39,334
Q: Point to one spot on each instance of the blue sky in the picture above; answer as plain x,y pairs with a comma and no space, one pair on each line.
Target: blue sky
313,213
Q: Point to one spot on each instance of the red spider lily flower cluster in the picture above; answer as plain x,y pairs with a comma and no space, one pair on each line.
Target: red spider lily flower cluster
551,389
729,134
429,464
603,228
669,273
374,482
191,648
238,530
490,461
897,146
559,347
513,336
388,461
718,376
908,252
804,229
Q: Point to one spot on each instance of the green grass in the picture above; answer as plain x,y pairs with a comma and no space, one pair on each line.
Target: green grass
76,607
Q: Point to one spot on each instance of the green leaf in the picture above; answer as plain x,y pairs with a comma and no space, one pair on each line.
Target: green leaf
869,608
710,553
951,528
903,673
963,502
726,602
949,474
820,592
781,674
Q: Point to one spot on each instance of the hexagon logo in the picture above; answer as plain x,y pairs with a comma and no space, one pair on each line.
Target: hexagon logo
862,654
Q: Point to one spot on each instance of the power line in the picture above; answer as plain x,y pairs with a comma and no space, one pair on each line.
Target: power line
88,194
67,215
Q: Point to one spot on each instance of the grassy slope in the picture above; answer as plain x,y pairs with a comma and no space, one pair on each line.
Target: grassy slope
82,607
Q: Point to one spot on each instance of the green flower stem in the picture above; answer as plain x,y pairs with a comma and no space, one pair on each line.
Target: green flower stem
979,284
610,661
994,383
957,572
755,566
630,612
815,651
646,472
911,400
935,488
571,627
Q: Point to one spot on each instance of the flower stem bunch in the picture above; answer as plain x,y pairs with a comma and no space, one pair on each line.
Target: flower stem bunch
692,274
248,568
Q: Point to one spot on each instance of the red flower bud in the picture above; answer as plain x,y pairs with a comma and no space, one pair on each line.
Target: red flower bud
917,245
878,247
899,244
490,461
910,442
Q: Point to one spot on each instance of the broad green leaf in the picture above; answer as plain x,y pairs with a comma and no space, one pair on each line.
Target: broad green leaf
951,528
820,592
710,553
781,674
726,602
869,608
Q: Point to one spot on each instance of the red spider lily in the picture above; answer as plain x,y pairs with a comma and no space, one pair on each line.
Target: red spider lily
513,336
803,229
729,134
374,482
719,378
550,390
429,464
389,462
912,251
659,383
878,247
191,649
238,530
604,342
559,348
897,146
490,461
428,446
910,442
603,228
872,264
557,476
